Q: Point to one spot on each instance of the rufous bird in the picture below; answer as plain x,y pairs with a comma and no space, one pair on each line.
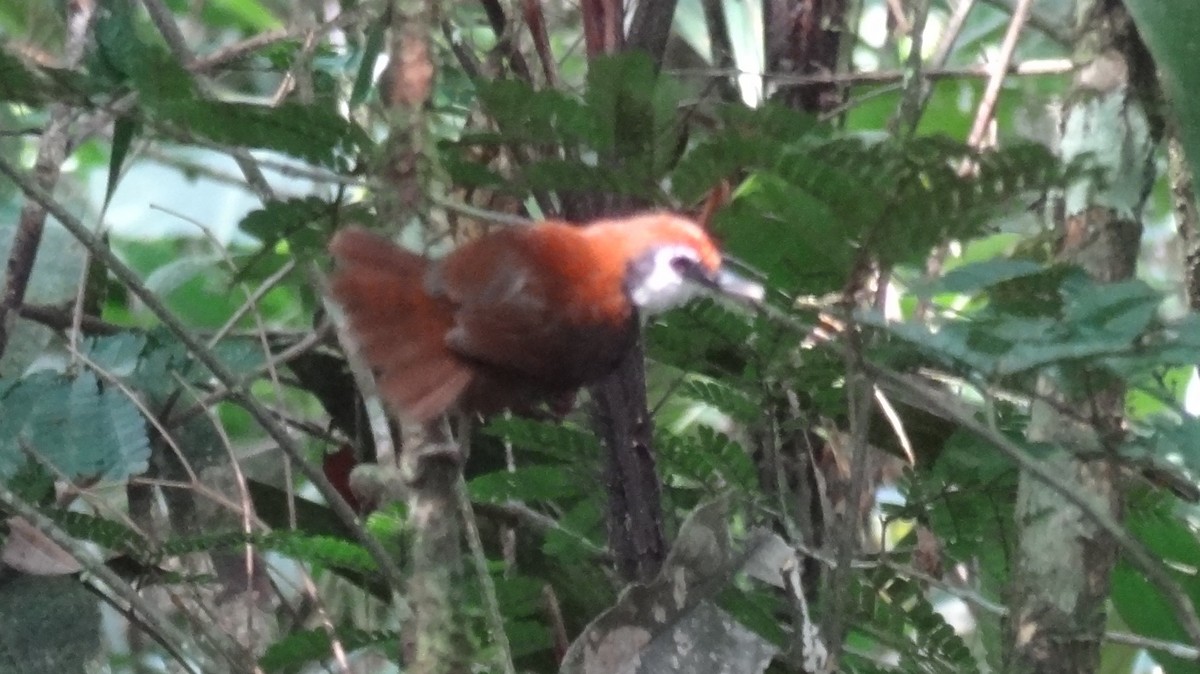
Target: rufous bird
519,315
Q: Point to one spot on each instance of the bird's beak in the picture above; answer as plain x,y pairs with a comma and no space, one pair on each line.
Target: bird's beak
729,283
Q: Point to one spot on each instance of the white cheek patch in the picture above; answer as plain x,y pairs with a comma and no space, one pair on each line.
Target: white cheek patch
664,287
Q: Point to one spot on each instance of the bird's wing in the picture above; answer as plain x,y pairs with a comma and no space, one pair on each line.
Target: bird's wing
400,328
522,305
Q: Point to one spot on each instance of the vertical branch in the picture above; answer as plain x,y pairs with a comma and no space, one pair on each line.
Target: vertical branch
987,106
847,521
804,37
431,469
602,23
621,413
635,517
47,167
651,26
409,82
1187,220
1064,559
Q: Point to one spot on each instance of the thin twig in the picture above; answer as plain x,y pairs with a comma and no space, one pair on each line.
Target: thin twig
47,167
377,419
479,560
1031,67
845,537
519,514
987,105
945,45
908,113
164,20
301,347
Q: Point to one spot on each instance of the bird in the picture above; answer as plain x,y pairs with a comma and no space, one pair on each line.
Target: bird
521,315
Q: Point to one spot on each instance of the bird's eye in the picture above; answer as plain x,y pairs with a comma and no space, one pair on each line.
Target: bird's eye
682,264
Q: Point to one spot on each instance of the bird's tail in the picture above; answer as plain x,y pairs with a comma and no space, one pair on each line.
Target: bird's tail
400,329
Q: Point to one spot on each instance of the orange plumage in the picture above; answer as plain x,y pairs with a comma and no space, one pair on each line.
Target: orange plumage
519,315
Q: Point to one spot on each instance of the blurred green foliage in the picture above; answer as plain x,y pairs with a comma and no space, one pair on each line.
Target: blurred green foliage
814,203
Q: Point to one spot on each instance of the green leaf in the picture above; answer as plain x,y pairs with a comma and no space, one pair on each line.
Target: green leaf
775,229
1139,602
574,176
32,483
972,278
103,532
245,15
1120,311
637,110
539,117
722,397
906,621
18,83
706,458
119,353
1168,28
118,47
562,441
307,221
309,132
80,428
528,637
527,483
48,625
582,523
752,137
326,551
297,649
124,130
366,69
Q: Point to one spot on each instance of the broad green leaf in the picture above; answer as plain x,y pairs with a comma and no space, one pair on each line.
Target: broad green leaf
1168,28
1139,602
787,234
972,278
117,354
77,426
366,69
1118,310
248,15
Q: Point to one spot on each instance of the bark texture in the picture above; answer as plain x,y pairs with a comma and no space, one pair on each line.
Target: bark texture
1064,562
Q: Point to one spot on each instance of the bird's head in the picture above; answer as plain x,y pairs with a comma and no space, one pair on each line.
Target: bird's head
668,260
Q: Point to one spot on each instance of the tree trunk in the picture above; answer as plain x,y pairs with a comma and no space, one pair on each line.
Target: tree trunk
1061,575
